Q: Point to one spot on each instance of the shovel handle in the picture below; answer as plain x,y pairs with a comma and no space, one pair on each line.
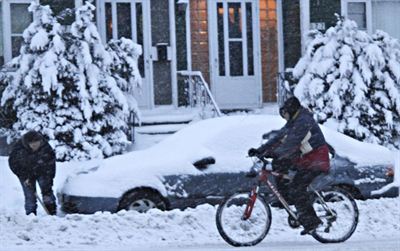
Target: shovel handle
41,203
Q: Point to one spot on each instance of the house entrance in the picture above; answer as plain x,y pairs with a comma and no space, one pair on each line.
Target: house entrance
235,53
130,19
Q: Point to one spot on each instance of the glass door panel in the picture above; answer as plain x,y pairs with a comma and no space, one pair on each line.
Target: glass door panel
235,20
249,36
109,21
235,32
124,20
139,33
221,40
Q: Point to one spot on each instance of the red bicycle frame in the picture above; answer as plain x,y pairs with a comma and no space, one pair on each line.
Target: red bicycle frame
263,178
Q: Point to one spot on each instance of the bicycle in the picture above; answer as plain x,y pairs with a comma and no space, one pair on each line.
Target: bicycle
244,219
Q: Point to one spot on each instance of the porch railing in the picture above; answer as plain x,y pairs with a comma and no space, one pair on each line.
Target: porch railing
197,94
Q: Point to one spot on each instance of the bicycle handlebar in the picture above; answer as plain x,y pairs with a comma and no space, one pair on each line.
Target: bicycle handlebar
265,162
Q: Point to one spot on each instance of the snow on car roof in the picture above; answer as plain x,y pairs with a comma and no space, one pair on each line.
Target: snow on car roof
227,139
361,153
228,134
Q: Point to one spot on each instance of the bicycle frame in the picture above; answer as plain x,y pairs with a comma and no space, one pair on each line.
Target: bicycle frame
263,178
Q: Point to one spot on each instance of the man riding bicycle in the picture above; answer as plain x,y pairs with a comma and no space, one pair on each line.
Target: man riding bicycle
300,145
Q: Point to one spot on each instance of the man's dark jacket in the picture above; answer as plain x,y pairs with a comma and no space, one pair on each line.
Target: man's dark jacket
28,164
300,140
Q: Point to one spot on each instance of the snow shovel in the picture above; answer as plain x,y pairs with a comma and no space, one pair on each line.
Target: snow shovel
41,203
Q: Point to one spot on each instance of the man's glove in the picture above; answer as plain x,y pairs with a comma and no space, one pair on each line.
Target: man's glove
253,152
270,154
270,135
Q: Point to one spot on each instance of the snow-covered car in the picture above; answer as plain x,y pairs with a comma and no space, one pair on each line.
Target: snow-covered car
206,161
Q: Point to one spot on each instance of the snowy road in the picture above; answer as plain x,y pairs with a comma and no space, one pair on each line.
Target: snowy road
366,245
387,245
192,229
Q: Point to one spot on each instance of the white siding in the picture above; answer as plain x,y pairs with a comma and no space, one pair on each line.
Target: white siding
386,16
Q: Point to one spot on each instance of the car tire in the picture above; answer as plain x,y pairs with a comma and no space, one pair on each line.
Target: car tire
142,201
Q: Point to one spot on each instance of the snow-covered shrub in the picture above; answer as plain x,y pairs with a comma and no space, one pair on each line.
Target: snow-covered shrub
64,87
7,113
105,107
37,86
351,81
124,67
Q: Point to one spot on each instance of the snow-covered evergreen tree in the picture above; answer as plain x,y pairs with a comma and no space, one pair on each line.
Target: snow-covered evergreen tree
104,106
7,114
351,81
37,86
64,87
124,67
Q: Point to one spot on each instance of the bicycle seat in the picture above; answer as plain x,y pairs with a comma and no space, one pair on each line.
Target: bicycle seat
321,181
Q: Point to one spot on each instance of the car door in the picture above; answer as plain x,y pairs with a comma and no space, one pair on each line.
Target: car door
207,187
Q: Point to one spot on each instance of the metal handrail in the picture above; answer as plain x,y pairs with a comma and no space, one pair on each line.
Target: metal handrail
193,88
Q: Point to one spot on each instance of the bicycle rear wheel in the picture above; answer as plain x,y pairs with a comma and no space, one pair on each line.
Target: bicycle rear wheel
240,232
341,225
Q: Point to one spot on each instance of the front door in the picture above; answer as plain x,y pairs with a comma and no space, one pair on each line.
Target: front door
234,56
130,19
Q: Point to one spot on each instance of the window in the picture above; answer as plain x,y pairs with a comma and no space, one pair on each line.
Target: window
20,19
358,11
15,19
63,9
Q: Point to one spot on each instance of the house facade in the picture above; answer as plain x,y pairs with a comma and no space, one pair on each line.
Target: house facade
301,16
238,45
232,42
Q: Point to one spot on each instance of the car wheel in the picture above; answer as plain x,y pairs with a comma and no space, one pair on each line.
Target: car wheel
142,201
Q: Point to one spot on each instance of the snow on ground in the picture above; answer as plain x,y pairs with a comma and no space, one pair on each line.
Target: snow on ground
192,229
379,220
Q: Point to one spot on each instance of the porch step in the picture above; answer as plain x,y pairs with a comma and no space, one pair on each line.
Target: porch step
160,129
164,120
148,120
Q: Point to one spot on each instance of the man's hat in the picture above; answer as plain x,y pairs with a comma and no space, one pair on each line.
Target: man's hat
32,136
291,106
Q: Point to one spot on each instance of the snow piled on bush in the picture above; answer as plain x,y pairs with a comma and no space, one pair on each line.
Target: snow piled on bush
71,88
351,81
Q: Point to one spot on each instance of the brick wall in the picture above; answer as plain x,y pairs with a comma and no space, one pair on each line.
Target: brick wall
199,37
269,49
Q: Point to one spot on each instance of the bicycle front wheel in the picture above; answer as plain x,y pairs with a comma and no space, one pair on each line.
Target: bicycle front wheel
236,230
